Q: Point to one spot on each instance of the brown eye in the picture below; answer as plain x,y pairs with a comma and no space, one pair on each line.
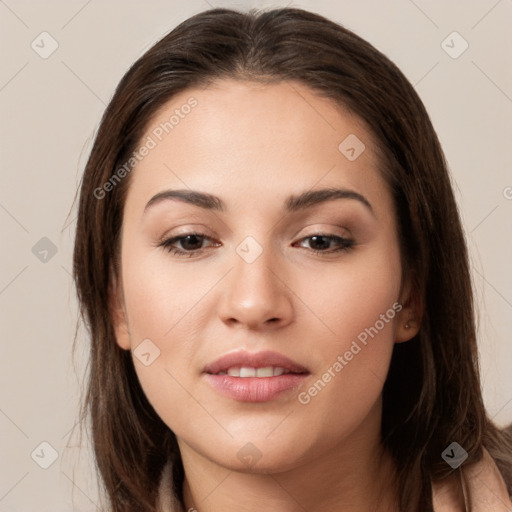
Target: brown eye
189,244
320,243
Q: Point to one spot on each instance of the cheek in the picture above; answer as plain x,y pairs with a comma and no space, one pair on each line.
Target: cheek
350,297
358,309
356,354
161,296
162,303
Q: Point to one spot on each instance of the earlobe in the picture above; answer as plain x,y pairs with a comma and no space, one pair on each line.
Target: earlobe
117,313
408,320
407,327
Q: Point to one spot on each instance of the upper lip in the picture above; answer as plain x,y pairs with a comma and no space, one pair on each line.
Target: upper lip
263,359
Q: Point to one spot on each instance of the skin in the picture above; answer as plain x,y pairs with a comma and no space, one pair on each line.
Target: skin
253,145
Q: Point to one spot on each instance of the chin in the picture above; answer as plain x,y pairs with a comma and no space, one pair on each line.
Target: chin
259,455
266,463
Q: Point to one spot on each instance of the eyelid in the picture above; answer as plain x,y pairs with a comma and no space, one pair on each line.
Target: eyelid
344,244
316,229
187,229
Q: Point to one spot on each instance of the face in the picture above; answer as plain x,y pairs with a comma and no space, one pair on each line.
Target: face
260,286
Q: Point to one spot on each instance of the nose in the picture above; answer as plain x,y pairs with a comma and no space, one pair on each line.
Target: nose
254,296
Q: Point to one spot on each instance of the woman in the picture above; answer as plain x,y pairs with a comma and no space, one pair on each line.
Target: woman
271,263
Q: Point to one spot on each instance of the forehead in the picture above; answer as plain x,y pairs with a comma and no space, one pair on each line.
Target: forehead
235,135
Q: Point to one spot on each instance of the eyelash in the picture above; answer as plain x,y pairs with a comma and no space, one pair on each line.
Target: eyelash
345,244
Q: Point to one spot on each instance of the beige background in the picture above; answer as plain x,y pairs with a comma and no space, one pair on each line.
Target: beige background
49,111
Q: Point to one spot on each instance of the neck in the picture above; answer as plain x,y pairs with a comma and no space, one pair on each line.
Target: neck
354,476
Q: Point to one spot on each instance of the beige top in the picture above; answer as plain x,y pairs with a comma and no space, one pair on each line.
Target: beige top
485,485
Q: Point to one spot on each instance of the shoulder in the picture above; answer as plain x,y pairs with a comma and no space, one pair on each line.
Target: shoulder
485,486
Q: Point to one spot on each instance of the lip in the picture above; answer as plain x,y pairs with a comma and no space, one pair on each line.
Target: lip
254,389
253,360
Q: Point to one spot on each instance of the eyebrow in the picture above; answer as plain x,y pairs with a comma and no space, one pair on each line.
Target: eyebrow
292,204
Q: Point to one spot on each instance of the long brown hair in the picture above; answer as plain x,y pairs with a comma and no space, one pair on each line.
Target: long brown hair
432,395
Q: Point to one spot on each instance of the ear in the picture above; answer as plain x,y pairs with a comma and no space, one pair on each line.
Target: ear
408,320
117,312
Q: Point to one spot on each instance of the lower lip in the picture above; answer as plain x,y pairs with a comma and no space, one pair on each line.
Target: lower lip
255,389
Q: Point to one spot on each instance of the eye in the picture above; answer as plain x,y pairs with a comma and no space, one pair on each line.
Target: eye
191,244
323,243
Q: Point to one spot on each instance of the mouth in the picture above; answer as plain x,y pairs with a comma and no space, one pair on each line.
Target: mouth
247,371
254,377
